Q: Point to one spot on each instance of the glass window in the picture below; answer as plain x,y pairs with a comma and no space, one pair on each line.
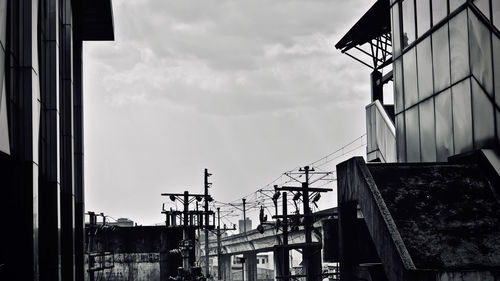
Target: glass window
439,10
423,16
496,63
480,52
3,23
427,131
424,58
484,7
412,135
454,4
462,117
484,127
459,47
400,137
4,127
495,5
440,58
396,32
498,125
410,78
444,136
408,22
36,107
398,85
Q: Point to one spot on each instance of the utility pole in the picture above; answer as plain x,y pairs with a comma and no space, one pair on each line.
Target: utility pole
198,248
243,269
219,253
244,217
219,244
306,253
285,256
185,235
207,185
304,190
186,223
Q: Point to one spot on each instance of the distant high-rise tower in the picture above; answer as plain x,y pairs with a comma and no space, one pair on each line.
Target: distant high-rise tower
241,224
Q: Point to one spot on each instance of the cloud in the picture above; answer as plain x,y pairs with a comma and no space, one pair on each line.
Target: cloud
228,57
247,89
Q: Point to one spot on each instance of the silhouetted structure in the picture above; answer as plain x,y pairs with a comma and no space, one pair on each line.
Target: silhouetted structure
41,134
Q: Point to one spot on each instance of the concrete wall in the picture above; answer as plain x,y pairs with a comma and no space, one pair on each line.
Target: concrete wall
139,253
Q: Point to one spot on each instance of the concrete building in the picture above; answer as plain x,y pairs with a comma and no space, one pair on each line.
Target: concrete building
142,253
41,134
434,214
122,222
244,225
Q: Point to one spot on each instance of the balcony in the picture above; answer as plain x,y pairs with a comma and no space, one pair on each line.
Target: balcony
381,134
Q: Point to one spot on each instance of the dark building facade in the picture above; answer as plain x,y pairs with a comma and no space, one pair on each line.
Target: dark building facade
41,134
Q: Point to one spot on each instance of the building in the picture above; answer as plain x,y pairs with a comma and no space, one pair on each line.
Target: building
434,214
41,134
122,222
245,225
445,73
264,268
142,253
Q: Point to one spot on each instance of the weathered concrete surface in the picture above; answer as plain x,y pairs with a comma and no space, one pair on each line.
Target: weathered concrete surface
446,214
134,267
434,221
140,253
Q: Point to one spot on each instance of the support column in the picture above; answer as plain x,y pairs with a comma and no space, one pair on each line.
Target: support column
19,195
250,266
377,86
226,266
49,202
78,160
347,243
67,144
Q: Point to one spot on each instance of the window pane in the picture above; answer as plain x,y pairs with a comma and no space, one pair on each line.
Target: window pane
427,131
498,125
484,127
400,137
480,52
496,62
444,136
454,4
462,116
3,23
412,135
459,47
396,35
410,78
484,7
398,85
439,10
423,16
4,127
424,57
440,58
408,22
496,13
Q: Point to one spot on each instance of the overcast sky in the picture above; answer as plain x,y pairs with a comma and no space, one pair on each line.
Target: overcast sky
247,89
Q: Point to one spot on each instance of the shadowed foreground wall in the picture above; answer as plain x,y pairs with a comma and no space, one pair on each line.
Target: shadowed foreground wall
140,253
